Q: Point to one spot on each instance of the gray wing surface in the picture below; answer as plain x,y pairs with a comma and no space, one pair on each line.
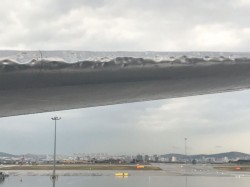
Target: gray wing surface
43,81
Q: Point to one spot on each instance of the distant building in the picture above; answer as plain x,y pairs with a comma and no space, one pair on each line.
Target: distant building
211,160
156,158
241,162
146,158
225,159
163,159
139,158
172,159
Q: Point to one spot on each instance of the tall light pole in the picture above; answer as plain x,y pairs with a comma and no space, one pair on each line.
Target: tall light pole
186,146
54,167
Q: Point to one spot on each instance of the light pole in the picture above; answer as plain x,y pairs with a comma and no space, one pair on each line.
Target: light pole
186,146
54,167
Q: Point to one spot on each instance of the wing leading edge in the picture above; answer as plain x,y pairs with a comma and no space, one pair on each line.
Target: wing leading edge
46,84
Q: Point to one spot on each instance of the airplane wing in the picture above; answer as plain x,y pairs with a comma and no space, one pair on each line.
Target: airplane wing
43,81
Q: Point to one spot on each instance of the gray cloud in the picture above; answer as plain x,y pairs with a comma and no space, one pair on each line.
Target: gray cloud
125,25
148,127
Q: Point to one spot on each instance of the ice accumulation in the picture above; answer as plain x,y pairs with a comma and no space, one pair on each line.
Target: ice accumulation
50,60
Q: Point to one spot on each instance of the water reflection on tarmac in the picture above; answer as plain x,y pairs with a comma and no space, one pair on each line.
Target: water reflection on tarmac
171,175
167,170
198,170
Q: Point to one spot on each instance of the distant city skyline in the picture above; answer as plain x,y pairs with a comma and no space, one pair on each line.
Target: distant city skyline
212,123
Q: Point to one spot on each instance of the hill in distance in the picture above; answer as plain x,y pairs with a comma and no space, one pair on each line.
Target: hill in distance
6,155
229,155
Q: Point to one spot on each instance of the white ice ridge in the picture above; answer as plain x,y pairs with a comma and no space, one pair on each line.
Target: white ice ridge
76,56
23,60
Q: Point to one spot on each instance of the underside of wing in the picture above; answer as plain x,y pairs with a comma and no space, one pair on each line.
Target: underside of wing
40,81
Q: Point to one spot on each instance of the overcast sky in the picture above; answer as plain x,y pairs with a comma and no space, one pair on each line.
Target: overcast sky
212,123
158,25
